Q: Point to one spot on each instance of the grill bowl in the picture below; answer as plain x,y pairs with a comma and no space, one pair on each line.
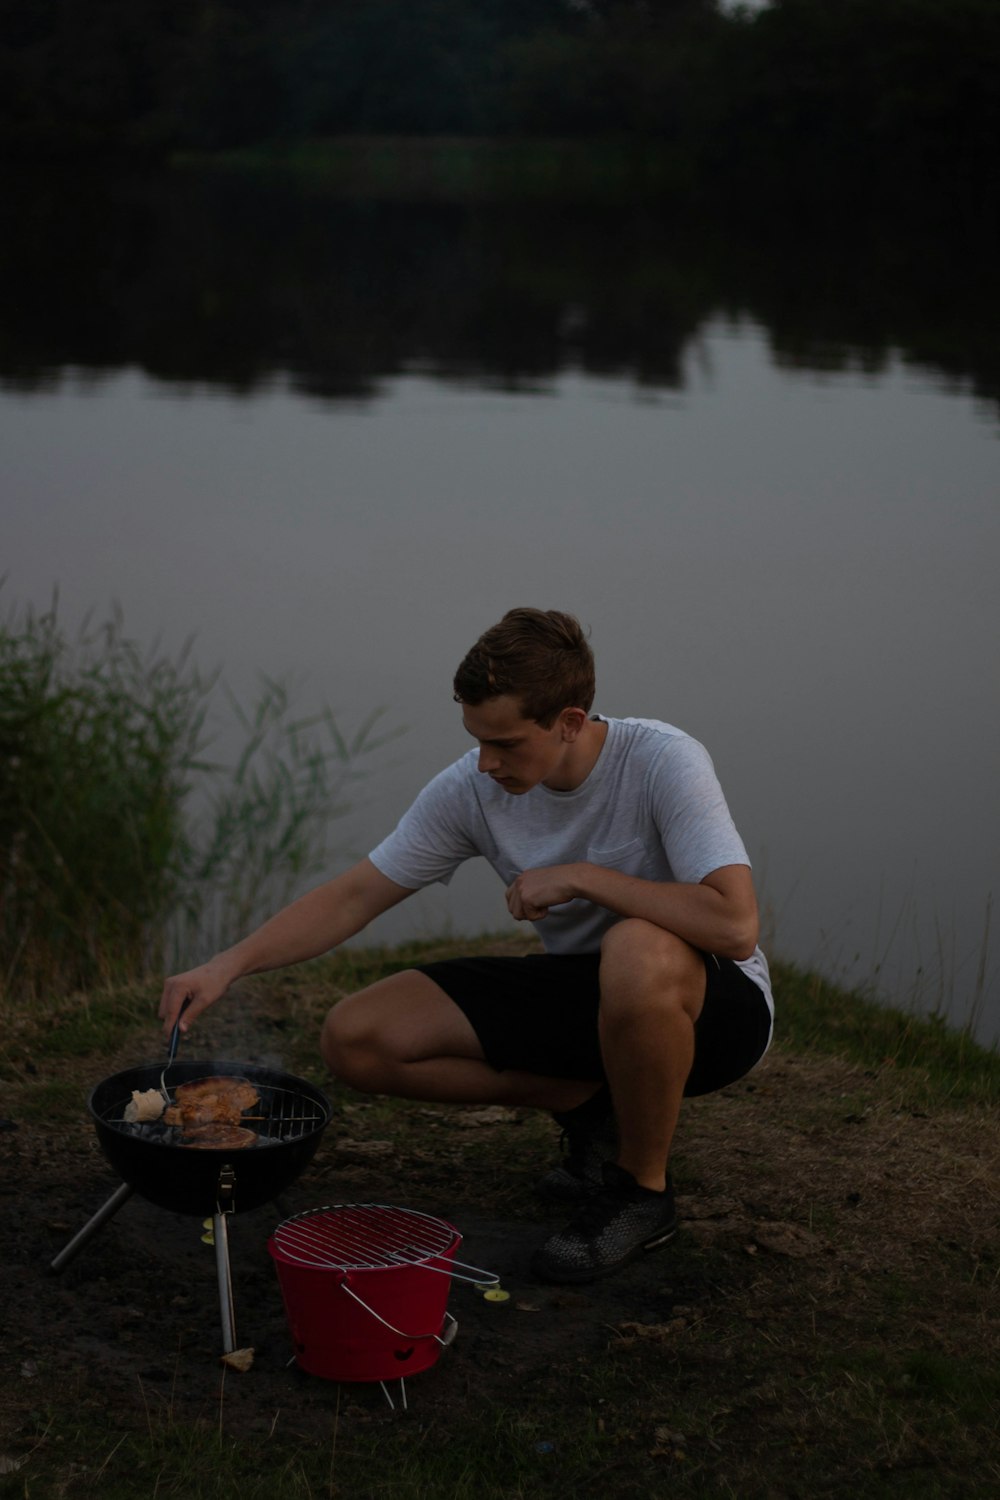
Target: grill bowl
187,1180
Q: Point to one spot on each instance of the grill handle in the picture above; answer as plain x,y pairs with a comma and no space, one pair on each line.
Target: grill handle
478,1278
412,1338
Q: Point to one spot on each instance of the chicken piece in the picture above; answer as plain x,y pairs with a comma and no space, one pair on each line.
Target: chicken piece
211,1101
219,1137
238,1090
210,1109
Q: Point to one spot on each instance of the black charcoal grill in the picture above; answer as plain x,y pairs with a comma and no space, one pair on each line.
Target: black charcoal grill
288,1122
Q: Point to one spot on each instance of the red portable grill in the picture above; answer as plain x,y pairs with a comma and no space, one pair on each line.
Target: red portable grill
365,1288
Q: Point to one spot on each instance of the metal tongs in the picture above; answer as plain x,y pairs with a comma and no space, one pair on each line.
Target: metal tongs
175,1037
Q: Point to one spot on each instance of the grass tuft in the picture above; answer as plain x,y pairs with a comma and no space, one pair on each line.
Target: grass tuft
122,848
928,1057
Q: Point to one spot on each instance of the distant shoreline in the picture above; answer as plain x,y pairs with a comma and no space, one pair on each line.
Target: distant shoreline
622,171
467,169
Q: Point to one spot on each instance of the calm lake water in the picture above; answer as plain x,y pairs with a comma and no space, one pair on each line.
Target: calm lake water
335,442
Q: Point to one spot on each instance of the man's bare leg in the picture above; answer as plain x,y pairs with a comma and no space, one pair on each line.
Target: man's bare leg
652,992
405,1037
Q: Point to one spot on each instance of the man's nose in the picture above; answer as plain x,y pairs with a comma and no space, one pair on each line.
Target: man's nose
488,760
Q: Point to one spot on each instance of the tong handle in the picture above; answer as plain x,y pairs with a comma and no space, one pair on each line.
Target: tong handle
175,1035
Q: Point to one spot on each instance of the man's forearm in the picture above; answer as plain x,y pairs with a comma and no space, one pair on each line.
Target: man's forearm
320,920
718,916
310,926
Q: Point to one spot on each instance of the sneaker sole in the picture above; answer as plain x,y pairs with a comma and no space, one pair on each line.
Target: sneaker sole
574,1276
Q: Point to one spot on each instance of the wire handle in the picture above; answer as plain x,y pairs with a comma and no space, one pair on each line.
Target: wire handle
479,1278
413,1338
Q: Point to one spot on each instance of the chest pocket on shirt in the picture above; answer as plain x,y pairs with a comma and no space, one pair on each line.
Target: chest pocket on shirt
629,857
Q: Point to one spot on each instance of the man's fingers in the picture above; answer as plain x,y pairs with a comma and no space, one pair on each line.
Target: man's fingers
522,912
180,1002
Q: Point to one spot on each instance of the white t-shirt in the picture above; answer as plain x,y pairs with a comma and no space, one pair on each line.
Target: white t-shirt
652,807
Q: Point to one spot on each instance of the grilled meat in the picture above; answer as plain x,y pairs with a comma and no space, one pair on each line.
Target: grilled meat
210,1101
219,1137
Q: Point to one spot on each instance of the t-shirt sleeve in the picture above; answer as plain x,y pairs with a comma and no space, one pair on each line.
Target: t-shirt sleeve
690,811
434,836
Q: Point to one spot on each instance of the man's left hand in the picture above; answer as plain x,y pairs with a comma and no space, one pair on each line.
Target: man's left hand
534,891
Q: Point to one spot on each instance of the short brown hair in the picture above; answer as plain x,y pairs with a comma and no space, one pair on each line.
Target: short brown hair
539,656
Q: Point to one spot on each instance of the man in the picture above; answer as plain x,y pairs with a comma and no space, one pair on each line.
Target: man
613,837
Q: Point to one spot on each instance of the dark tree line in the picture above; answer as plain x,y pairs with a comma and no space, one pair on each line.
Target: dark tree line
908,86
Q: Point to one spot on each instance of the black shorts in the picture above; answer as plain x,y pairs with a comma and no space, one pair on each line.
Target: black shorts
538,1014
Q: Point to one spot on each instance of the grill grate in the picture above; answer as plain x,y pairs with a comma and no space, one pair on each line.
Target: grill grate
363,1237
280,1115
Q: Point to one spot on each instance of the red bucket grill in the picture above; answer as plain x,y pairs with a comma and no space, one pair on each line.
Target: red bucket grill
365,1288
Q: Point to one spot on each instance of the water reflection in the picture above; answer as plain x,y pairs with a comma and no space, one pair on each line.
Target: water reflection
197,280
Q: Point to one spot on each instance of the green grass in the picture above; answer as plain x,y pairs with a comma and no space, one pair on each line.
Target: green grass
90,1025
404,1461
930,1060
51,1101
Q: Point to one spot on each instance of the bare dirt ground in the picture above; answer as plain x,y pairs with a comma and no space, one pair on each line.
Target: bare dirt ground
824,1224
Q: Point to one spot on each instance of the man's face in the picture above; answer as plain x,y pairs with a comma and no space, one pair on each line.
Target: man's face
516,752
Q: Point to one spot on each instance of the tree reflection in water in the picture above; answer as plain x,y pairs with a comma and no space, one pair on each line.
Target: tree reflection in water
224,281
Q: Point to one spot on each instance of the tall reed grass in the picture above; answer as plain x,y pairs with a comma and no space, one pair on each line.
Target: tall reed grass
122,847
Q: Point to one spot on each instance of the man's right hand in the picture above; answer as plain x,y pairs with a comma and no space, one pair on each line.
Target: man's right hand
201,986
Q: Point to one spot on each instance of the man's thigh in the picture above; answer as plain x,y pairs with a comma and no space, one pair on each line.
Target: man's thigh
406,1016
534,1014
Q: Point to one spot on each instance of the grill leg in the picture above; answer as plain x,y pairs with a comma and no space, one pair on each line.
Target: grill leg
402,1394
91,1227
220,1233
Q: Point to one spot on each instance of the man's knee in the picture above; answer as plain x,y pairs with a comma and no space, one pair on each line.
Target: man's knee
640,961
636,943
370,1038
348,1043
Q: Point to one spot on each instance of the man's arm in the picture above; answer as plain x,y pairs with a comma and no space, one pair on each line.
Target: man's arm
718,916
312,925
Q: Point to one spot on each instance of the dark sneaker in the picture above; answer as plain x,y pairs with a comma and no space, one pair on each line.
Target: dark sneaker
587,1144
613,1226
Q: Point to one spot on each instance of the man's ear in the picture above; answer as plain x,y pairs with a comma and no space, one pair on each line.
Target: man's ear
572,721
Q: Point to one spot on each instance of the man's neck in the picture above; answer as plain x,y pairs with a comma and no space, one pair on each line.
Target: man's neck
581,757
